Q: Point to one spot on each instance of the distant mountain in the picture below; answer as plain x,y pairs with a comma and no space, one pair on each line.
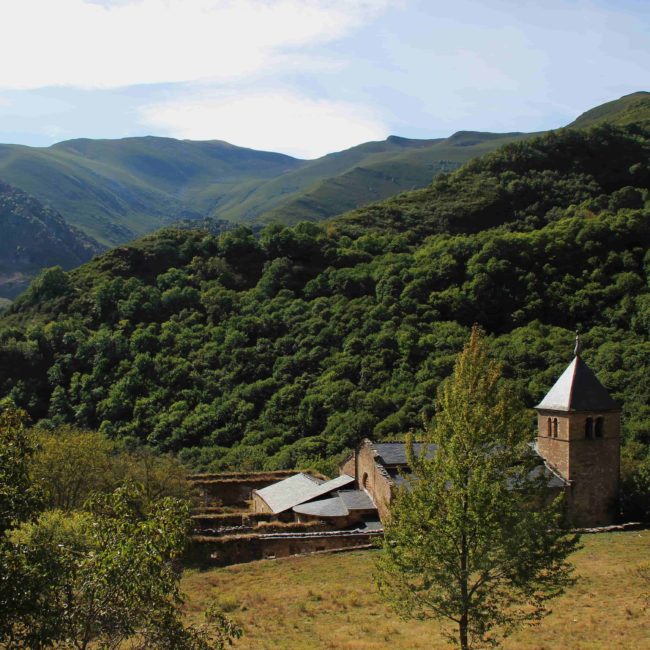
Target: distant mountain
629,109
34,237
355,177
116,190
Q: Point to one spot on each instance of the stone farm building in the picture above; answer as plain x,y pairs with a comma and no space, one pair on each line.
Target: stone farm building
577,446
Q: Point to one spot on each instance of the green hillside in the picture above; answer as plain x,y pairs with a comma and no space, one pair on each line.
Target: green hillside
630,109
277,351
559,169
34,236
279,192
379,176
115,190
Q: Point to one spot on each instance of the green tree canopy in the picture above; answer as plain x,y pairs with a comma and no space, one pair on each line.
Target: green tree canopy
474,538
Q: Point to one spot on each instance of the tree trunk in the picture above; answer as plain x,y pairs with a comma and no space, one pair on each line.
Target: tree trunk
464,591
462,633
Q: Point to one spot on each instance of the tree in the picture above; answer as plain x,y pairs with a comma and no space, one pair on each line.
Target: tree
112,581
19,503
19,498
103,577
71,464
474,539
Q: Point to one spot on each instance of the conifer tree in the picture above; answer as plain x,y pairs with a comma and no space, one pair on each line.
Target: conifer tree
474,537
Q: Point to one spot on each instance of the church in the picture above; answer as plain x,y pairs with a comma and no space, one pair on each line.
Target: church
577,447
579,436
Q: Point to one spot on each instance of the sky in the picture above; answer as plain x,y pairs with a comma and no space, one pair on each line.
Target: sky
308,77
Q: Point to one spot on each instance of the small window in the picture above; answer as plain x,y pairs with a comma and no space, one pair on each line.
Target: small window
555,427
548,427
364,481
589,428
600,423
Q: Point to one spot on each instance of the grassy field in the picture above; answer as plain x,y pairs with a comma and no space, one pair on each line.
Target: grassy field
329,602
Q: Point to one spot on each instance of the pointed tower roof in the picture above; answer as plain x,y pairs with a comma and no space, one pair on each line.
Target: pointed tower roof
578,389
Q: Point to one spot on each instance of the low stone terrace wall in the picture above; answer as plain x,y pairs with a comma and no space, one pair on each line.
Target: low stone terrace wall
630,525
208,552
261,528
243,518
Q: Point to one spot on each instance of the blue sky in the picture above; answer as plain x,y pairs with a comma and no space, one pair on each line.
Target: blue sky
306,77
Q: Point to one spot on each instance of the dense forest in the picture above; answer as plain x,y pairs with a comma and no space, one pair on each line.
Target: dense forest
285,349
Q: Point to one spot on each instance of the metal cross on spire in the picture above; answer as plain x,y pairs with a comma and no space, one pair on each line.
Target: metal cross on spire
578,347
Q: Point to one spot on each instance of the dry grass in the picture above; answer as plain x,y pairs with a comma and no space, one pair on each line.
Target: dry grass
329,602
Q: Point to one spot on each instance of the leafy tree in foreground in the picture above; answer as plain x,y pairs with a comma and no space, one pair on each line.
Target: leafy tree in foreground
112,580
475,540
18,497
19,503
104,577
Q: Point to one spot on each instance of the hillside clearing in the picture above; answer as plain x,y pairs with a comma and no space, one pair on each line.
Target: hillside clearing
329,602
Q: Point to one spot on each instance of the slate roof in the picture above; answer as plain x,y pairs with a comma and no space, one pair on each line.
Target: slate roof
356,500
332,507
554,480
394,453
578,389
298,489
339,505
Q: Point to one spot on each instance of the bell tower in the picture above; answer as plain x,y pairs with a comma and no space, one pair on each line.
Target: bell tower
578,434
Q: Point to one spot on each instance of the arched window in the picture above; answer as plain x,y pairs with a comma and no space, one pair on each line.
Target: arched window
555,427
548,427
589,428
364,481
600,423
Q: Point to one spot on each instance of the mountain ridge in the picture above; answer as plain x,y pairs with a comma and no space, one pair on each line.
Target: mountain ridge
116,190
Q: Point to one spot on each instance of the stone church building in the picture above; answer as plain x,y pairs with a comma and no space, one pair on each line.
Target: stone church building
577,446
577,443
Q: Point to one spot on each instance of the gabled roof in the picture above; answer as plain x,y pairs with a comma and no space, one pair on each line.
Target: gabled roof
298,489
578,389
539,468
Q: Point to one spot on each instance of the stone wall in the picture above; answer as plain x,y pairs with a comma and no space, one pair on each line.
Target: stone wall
206,552
259,505
594,466
349,467
372,478
205,520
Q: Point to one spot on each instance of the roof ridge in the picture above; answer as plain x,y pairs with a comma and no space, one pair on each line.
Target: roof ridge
575,362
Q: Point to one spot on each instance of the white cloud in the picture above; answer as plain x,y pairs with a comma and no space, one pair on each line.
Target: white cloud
112,44
274,121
